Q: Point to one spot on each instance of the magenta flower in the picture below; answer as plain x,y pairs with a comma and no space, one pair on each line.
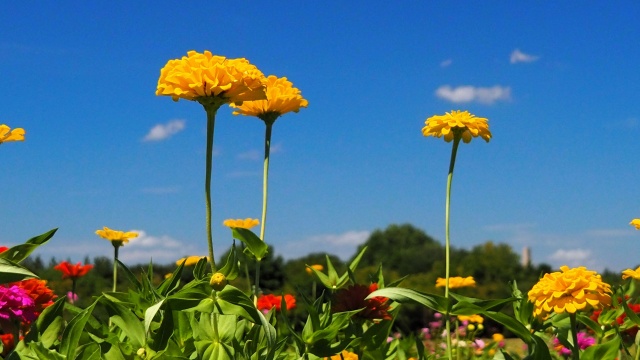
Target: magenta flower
584,341
15,303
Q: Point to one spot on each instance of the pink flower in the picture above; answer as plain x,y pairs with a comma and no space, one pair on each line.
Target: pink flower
15,303
72,297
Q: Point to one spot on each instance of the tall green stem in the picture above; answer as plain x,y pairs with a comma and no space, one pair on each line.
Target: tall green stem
265,177
115,266
454,151
211,108
575,353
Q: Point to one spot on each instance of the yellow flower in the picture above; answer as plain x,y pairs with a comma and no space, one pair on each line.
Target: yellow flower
6,134
630,273
636,223
456,282
457,124
315,267
497,337
247,223
569,290
218,281
190,260
282,98
346,355
471,318
198,76
117,237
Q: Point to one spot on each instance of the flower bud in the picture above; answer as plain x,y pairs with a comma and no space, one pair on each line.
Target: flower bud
218,281
142,352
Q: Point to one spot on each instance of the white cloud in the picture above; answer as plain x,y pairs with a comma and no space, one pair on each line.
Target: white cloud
161,249
518,56
446,63
249,155
468,93
572,258
164,131
342,245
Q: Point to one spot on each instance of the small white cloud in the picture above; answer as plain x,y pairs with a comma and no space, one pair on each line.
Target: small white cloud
571,258
164,131
468,93
249,155
160,249
446,63
518,56
342,245
276,148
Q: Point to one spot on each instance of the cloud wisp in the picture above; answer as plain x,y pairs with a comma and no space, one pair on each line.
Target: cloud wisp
164,131
518,56
469,93
343,245
162,249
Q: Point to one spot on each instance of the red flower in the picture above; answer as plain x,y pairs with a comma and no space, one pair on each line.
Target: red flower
73,271
632,331
7,343
266,302
3,249
353,298
38,291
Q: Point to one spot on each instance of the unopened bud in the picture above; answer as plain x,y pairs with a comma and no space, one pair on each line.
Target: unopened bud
218,281
142,352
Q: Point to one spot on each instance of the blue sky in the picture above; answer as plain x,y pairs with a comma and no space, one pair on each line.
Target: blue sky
559,84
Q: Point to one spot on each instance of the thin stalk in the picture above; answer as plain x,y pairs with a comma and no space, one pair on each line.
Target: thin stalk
454,151
265,178
211,110
115,266
575,353
73,289
256,289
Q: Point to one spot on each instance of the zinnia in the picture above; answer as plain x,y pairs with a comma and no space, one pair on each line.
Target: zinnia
117,237
38,291
569,290
457,124
247,223
456,282
73,271
16,304
199,76
316,267
636,223
269,301
344,355
471,318
6,134
282,98
354,297
190,260
630,273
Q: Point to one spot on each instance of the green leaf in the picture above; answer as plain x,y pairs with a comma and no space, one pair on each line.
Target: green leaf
354,264
50,323
232,301
230,269
594,326
163,333
126,320
43,353
11,271
200,270
150,313
20,252
606,351
402,295
254,244
73,331
130,276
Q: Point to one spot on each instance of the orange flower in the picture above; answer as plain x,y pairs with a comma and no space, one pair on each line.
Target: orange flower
282,98
6,134
457,123
3,249
247,223
317,267
7,343
73,271
354,297
456,282
267,302
38,291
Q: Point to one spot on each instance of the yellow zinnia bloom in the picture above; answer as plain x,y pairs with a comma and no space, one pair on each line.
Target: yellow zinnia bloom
282,98
247,223
6,134
456,282
457,124
471,318
316,267
630,273
497,337
346,355
197,76
569,290
117,237
190,260
636,223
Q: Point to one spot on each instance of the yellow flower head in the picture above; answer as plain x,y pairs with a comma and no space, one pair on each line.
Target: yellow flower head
117,237
471,318
190,260
197,76
569,290
315,267
247,223
282,98
6,134
457,124
346,355
456,282
218,281
630,273
636,223
497,337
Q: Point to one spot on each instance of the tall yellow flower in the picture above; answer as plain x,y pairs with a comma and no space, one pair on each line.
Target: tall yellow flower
456,282
6,134
117,237
636,223
190,260
569,290
282,98
457,124
247,223
204,75
630,273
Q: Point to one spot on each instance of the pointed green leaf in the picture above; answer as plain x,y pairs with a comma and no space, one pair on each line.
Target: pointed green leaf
402,295
254,244
20,252
11,271
73,331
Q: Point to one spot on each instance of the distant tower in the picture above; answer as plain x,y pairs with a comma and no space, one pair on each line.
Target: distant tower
526,257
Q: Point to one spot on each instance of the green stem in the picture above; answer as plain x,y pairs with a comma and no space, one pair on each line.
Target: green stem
575,353
454,151
256,289
115,266
211,109
265,178
73,290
